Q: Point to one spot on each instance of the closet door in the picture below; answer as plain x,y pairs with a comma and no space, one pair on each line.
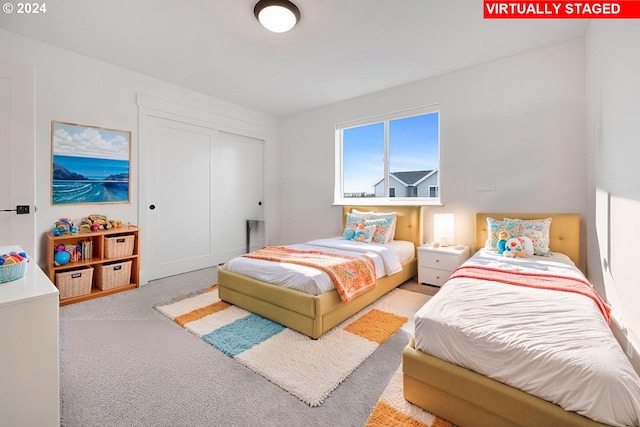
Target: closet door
239,190
180,233
202,185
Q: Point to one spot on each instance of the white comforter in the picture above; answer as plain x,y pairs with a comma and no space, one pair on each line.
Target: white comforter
552,344
387,258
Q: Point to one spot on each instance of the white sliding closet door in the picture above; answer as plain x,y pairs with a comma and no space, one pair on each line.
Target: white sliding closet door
203,184
180,228
239,177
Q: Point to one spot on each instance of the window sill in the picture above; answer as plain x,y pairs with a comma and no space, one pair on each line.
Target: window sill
396,201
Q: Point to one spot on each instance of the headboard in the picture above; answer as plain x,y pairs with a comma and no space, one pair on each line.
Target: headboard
564,234
408,225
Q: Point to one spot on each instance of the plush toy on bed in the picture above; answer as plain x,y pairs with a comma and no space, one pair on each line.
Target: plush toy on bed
514,249
503,236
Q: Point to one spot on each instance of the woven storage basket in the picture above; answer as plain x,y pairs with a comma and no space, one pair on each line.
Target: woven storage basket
13,271
113,275
118,246
74,283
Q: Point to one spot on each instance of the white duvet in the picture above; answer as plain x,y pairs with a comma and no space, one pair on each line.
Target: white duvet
552,344
388,259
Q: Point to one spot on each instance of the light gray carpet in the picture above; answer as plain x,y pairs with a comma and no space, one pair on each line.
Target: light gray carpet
125,364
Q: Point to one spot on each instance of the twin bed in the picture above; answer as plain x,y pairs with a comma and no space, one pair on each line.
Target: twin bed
479,334
310,314
455,366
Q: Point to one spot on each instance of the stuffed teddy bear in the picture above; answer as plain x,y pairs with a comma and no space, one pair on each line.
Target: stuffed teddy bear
514,249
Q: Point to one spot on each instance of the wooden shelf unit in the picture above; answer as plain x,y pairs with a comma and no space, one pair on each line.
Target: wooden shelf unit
98,258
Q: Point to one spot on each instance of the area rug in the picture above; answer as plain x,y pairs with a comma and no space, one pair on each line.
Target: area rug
308,369
393,410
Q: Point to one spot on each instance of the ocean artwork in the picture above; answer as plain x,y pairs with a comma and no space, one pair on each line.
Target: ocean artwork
90,164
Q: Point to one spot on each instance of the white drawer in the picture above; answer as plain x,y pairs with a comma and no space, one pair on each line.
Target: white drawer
433,276
440,261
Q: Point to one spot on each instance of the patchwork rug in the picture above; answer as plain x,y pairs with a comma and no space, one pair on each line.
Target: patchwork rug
308,369
393,410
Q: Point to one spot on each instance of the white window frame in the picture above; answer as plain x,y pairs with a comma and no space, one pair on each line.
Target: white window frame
339,198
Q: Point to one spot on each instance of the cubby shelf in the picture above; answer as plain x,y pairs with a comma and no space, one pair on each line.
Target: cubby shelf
98,258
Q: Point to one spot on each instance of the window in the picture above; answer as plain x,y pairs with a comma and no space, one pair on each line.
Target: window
394,156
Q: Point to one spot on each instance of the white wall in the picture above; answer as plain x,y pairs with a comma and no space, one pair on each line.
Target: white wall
79,89
518,122
613,67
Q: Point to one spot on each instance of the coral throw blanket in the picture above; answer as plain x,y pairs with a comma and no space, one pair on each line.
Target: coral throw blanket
536,280
351,275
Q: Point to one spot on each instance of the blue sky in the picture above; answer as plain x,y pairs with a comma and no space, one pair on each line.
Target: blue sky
90,142
413,145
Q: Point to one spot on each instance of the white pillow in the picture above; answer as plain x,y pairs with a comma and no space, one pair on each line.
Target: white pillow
362,214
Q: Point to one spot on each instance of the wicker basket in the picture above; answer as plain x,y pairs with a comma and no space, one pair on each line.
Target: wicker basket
118,246
113,275
74,283
13,271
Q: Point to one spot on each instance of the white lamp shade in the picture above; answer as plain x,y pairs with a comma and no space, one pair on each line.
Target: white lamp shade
277,16
443,228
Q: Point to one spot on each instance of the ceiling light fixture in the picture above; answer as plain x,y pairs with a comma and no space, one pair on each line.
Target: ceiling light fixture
278,16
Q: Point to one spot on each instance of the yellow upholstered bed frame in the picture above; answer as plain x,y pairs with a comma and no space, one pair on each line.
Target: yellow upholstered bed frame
315,315
469,399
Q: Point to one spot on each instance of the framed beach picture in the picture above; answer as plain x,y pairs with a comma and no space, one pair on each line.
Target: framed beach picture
89,164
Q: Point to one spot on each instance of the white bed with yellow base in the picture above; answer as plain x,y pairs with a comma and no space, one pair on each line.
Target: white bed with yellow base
313,315
468,398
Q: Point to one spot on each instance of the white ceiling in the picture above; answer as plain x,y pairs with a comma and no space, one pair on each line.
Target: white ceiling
340,49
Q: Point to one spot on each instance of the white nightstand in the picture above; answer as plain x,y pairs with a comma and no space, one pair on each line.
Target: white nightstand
435,265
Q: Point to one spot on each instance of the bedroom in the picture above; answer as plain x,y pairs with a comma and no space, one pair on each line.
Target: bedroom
571,104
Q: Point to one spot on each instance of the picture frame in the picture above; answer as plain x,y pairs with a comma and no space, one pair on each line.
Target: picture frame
89,164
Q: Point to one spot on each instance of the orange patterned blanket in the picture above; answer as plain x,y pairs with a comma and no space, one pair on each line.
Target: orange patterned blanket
536,280
351,275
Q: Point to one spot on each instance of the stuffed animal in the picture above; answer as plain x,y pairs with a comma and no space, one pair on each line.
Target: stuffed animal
95,222
514,249
503,236
527,245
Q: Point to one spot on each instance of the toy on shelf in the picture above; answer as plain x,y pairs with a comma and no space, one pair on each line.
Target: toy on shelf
97,222
64,226
61,258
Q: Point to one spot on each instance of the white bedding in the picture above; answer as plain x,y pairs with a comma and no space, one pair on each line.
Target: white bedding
388,259
552,344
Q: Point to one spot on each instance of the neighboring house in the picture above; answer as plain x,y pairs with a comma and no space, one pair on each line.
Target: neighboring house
410,184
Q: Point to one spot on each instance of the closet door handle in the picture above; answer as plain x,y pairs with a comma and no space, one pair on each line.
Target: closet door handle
152,207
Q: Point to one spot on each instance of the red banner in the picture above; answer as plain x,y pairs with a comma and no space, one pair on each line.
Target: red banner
516,9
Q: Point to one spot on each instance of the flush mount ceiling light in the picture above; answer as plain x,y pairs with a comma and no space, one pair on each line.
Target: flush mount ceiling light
278,16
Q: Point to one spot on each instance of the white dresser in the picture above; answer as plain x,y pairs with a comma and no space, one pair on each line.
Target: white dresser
29,359
435,265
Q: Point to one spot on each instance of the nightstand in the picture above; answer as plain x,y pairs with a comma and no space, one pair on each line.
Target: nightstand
435,265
